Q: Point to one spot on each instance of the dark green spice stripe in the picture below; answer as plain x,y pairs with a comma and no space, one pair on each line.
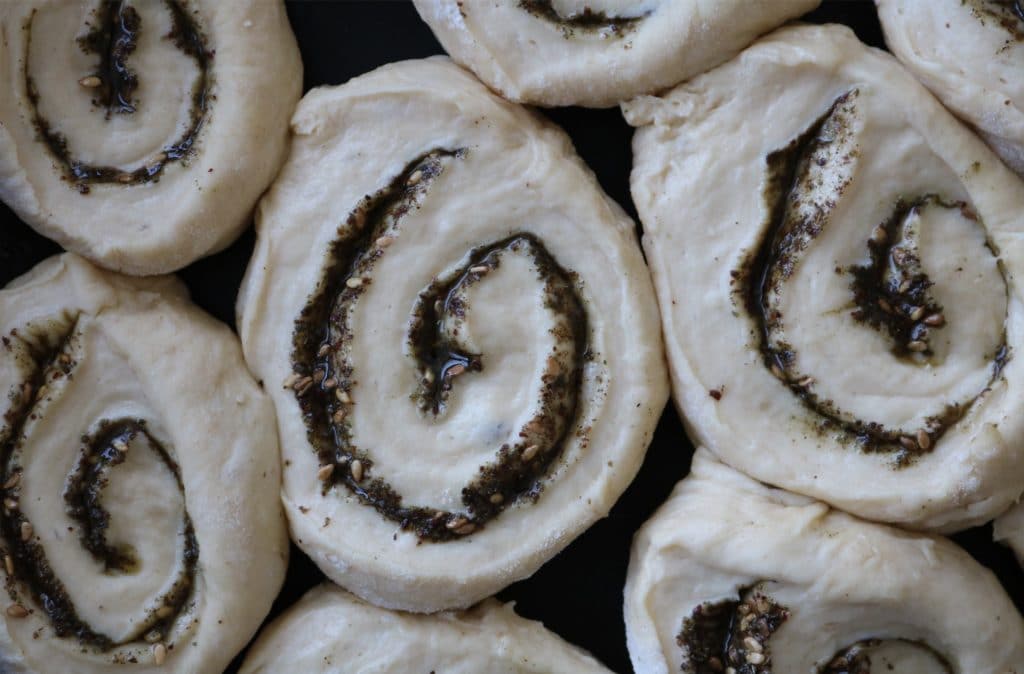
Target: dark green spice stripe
113,36
587,20
324,378
896,301
52,361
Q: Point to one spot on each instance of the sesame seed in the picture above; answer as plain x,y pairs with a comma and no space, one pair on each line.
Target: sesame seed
121,446
64,359
124,178
384,241
26,531
454,524
10,504
325,471
777,371
324,350
465,529
530,452
923,439
935,320
730,670
908,443
12,481
752,644
415,177
339,415
357,470
90,82
354,281
41,393
9,564
290,380
755,658
343,396
164,611
807,381
479,269
496,498
160,157
917,345
878,235
17,611
916,313
428,376
303,385
159,654
153,636
455,370
330,383
904,286
884,305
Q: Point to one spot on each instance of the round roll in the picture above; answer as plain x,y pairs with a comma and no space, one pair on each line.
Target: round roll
459,334
838,287
969,53
330,631
139,133
733,576
597,53
140,528
1009,529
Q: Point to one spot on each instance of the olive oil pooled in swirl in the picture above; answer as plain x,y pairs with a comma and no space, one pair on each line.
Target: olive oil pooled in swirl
324,377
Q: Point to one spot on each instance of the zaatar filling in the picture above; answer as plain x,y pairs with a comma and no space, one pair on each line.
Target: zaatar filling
113,37
890,293
324,377
856,659
1009,14
588,20
24,557
731,635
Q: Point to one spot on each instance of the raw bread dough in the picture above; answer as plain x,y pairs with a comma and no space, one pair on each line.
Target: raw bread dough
141,134
459,334
139,472
807,586
597,52
330,631
970,54
838,285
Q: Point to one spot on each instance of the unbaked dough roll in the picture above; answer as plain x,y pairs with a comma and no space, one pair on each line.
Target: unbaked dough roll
970,54
597,53
140,133
733,576
1009,529
139,525
329,632
839,286
459,334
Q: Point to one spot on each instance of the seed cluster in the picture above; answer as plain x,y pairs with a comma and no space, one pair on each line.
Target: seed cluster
731,637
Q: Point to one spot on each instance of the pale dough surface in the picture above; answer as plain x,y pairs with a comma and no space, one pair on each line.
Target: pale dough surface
141,350
330,631
517,174
699,177
198,205
538,56
842,580
1009,529
962,51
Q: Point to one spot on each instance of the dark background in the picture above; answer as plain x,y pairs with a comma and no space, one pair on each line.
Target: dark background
578,594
